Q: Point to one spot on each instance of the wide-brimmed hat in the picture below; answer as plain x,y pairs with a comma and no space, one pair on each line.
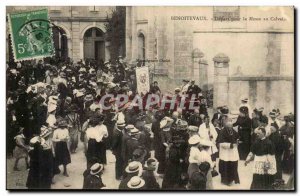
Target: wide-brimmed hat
277,112
89,97
136,182
134,131
272,114
82,69
195,139
79,94
260,109
121,123
193,128
45,133
166,122
63,74
129,127
182,124
245,100
133,167
177,90
96,168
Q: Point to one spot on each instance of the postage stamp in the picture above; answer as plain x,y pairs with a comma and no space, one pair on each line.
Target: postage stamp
31,35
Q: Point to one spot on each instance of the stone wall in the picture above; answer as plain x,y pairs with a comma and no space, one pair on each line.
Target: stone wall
269,92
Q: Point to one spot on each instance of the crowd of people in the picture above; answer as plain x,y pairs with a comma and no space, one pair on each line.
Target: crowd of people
51,107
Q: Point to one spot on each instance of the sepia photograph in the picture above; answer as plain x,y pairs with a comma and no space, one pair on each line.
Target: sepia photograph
150,98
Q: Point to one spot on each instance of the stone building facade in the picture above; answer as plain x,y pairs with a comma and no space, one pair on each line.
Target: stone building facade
239,51
82,29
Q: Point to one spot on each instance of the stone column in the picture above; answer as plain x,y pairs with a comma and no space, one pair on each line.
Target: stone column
134,39
203,79
128,33
197,55
221,83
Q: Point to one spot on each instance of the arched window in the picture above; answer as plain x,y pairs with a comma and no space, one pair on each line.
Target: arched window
141,46
60,42
94,47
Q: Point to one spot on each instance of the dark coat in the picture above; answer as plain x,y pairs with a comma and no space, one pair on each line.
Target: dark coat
193,89
117,151
150,180
173,170
131,145
123,184
244,130
93,182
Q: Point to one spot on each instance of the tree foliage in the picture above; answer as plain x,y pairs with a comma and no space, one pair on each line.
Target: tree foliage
115,32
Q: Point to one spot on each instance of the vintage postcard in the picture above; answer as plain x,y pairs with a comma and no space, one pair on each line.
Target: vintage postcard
150,98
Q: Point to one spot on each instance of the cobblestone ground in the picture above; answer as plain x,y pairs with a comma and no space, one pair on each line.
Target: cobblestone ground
17,180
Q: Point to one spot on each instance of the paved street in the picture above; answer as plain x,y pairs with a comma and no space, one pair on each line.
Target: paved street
17,180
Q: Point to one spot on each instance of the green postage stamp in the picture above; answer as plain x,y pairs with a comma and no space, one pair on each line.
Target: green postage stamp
31,35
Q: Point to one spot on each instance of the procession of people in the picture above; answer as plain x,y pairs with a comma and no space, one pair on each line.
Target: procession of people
54,105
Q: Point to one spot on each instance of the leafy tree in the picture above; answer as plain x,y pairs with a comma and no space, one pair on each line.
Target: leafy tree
115,32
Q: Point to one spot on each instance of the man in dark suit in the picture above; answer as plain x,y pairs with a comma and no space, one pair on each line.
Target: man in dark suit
194,89
148,175
117,148
217,115
155,88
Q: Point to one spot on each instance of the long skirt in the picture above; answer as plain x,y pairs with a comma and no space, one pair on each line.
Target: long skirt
19,153
47,169
33,177
73,139
229,172
96,151
262,182
62,154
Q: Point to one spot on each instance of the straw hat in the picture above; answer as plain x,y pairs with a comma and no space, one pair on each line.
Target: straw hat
96,168
133,167
121,123
193,128
136,182
45,133
166,122
134,131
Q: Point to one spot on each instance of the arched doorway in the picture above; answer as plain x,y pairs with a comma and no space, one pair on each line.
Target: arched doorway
93,44
60,42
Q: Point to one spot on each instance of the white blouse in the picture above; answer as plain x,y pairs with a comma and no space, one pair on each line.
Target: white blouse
51,120
97,133
197,156
61,134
